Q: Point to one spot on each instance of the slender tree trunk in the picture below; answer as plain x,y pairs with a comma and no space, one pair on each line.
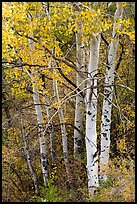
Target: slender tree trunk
46,6
29,161
91,115
42,139
51,128
51,133
43,148
79,107
108,96
63,127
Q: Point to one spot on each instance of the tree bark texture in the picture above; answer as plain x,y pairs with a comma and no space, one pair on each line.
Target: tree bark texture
51,133
42,139
27,153
79,108
63,127
108,96
91,115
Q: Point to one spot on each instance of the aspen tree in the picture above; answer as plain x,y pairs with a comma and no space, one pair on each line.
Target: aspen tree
63,127
47,101
108,95
79,106
27,153
42,139
91,116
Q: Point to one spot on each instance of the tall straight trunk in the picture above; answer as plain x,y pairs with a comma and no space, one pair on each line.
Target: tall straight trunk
28,157
51,127
42,139
79,107
38,109
46,6
51,133
63,127
108,96
91,116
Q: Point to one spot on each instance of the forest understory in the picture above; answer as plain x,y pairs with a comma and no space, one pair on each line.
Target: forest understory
68,101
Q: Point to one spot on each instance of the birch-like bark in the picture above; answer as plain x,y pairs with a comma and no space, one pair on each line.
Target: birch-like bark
51,128
91,116
42,139
28,157
51,133
63,127
47,101
108,96
79,109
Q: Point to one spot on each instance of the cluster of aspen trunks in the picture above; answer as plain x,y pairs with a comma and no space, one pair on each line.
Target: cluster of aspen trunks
87,58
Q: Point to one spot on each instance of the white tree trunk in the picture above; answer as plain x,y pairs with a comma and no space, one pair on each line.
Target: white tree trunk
42,139
50,128
63,127
108,95
79,109
91,115
29,161
51,133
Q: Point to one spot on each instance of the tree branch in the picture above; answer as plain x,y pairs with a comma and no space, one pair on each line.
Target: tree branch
74,67
120,58
104,40
70,82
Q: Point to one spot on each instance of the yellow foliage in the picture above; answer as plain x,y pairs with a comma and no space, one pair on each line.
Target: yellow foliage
120,186
16,31
121,145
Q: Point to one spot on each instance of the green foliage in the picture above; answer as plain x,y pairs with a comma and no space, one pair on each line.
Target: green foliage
49,193
105,184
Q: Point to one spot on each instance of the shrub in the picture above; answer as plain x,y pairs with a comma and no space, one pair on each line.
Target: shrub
120,185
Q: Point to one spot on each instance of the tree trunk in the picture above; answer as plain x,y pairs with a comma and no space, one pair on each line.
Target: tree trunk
46,6
51,133
29,161
108,95
63,127
79,109
42,139
91,116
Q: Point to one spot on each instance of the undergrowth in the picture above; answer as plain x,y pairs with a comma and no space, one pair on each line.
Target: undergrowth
119,187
